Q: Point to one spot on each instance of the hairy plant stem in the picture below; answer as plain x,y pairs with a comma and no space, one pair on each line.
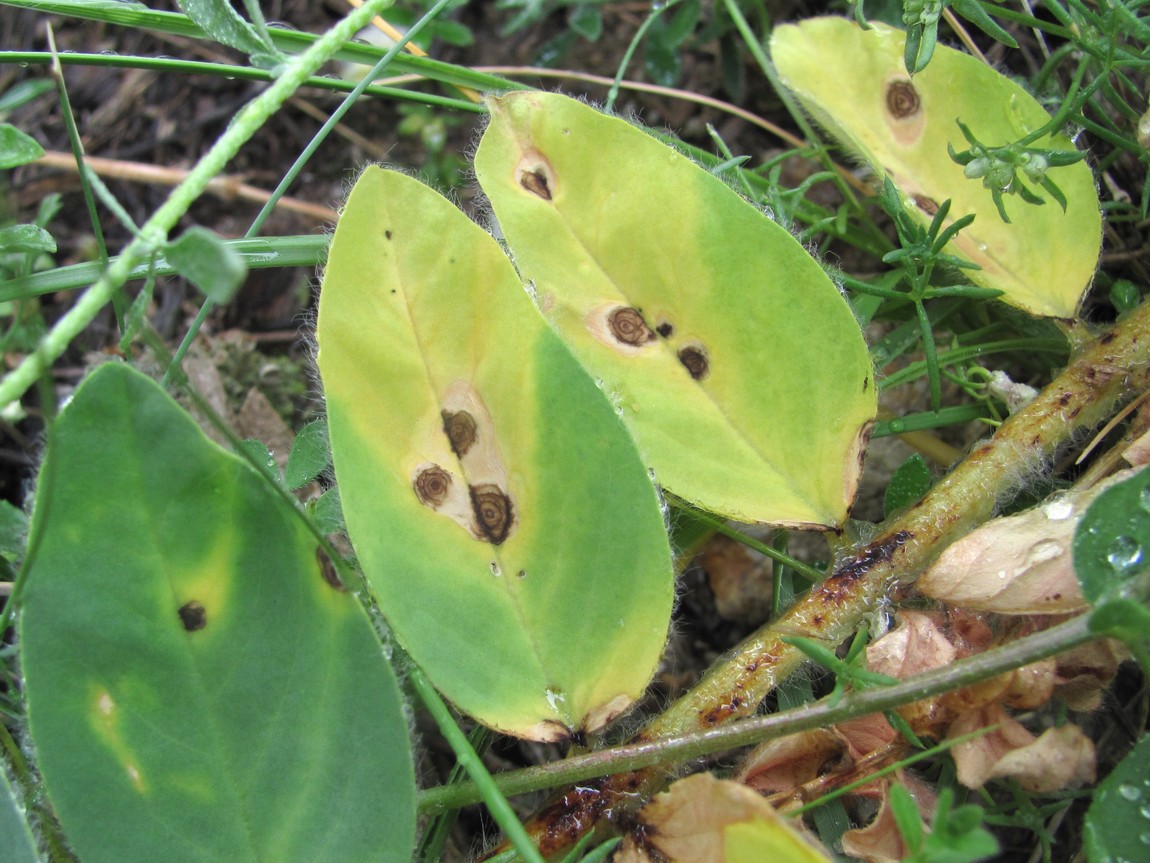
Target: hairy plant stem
153,234
747,732
1102,375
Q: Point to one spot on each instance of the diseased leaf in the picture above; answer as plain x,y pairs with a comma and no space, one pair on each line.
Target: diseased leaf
493,497
732,358
197,688
854,83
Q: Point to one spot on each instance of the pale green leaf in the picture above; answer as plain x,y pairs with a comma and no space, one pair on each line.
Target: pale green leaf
17,845
854,83
207,261
497,506
198,687
731,356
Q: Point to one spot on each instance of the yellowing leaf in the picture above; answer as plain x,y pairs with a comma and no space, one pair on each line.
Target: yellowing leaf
759,841
854,83
731,356
497,505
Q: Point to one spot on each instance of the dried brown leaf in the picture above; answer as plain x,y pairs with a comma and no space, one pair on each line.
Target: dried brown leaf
687,822
788,762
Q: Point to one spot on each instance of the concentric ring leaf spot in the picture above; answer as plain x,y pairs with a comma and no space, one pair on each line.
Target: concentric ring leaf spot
498,507
197,690
854,83
732,358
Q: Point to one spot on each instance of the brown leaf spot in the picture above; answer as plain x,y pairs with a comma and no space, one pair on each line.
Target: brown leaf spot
902,99
492,510
432,486
535,181
193,616
387,233
927,205
665,329
694,360
627,325
327,570
460,428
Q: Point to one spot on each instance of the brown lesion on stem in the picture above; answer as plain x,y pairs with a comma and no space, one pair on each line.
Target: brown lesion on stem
1077,400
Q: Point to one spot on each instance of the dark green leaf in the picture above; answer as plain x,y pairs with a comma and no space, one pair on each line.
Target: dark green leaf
327,512
1117,822
586,19
1124,296
910,481
208,262
1111,541
973,12
310,455
13,531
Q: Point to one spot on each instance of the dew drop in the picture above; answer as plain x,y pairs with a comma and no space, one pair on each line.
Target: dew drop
1145,838
1129,791
555,697
1057,510
897,426
1124,553
1146,812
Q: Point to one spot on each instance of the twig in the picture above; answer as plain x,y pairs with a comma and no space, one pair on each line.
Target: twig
224,186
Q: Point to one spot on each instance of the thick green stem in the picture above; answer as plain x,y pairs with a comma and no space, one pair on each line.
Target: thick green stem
1111,369
155,231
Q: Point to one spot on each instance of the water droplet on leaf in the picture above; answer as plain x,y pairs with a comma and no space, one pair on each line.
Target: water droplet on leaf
1124,553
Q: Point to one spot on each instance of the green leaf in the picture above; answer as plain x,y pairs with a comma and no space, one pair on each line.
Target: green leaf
854,84
17,148
221,22
1112,539
491,494
309,457
586,19
731,356
207,261
910,481
17,845
13,529
21,239
1118,820
196,689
